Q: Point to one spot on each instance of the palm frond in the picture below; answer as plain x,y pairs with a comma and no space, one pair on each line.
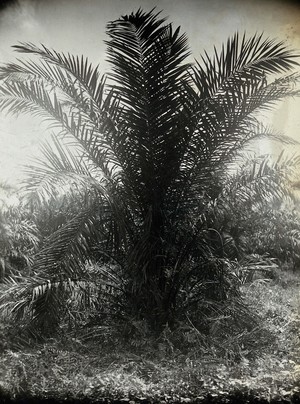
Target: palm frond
262,180
221,132
66,250
35,99
61,166
150,76
45,301
244,64
60,68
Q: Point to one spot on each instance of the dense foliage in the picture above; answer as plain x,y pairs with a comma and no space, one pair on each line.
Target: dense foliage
142,159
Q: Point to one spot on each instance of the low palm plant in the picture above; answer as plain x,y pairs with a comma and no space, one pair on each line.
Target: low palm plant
144,153
19,235
257,203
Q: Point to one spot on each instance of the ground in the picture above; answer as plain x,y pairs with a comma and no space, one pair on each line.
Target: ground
258,366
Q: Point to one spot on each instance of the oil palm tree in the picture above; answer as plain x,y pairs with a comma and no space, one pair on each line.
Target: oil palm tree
144,151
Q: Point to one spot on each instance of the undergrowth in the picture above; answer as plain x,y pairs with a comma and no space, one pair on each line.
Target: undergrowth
178,366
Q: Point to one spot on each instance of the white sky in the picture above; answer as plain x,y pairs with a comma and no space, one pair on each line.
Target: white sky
78,27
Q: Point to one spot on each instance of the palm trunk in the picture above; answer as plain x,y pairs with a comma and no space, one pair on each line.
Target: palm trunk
150,286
